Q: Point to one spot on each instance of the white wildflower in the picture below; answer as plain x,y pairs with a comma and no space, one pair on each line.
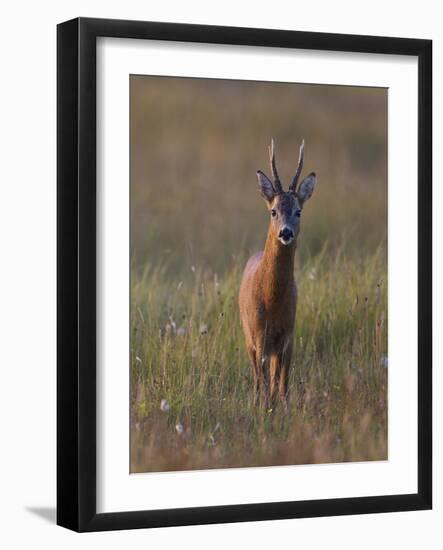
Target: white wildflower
172,323
179,428
164,405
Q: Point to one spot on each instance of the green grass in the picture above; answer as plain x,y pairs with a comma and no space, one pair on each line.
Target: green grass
187,349
197,215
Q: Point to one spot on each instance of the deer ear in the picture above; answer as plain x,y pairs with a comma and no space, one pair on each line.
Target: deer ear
266,187
307,187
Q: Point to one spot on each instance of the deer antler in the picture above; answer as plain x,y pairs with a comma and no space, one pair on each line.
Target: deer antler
277,184
301,156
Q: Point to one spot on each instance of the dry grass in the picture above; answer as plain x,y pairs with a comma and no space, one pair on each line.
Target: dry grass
188,351
196,216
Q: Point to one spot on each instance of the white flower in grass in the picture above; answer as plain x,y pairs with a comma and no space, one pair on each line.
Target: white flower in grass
172,322
164,405
212,440
179,428
204,328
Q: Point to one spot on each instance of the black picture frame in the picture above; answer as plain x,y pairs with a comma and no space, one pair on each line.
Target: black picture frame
76,273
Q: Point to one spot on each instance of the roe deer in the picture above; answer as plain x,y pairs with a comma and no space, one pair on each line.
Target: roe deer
268,293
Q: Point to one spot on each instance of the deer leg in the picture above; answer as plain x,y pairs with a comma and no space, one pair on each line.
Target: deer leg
284,372
265,382
255,373
274,372
262,362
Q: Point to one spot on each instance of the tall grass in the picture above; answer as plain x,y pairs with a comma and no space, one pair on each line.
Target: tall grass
188,355
196,216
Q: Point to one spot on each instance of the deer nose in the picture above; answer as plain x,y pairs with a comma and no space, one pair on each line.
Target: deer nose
286,234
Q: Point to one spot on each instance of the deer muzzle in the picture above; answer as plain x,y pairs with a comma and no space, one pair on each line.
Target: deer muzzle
286,235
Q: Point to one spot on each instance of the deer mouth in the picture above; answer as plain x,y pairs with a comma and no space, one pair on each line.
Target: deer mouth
286,236
286,241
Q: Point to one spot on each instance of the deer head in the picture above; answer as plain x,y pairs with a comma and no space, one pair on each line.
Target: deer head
286,207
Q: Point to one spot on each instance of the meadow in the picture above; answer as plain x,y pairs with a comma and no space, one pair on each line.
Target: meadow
196,216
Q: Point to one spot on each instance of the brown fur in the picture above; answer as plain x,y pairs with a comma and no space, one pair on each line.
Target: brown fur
268,293
267,300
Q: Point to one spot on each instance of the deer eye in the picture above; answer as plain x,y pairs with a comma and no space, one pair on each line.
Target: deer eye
273,213
298,213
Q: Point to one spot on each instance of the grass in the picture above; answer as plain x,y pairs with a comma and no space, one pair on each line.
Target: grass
187,350
196,216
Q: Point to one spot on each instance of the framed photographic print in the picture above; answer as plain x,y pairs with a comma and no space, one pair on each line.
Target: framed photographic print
244,274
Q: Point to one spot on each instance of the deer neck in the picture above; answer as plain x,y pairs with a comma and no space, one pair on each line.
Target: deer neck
277,268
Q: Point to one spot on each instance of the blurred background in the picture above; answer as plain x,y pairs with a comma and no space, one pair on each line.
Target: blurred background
197,215
196,145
